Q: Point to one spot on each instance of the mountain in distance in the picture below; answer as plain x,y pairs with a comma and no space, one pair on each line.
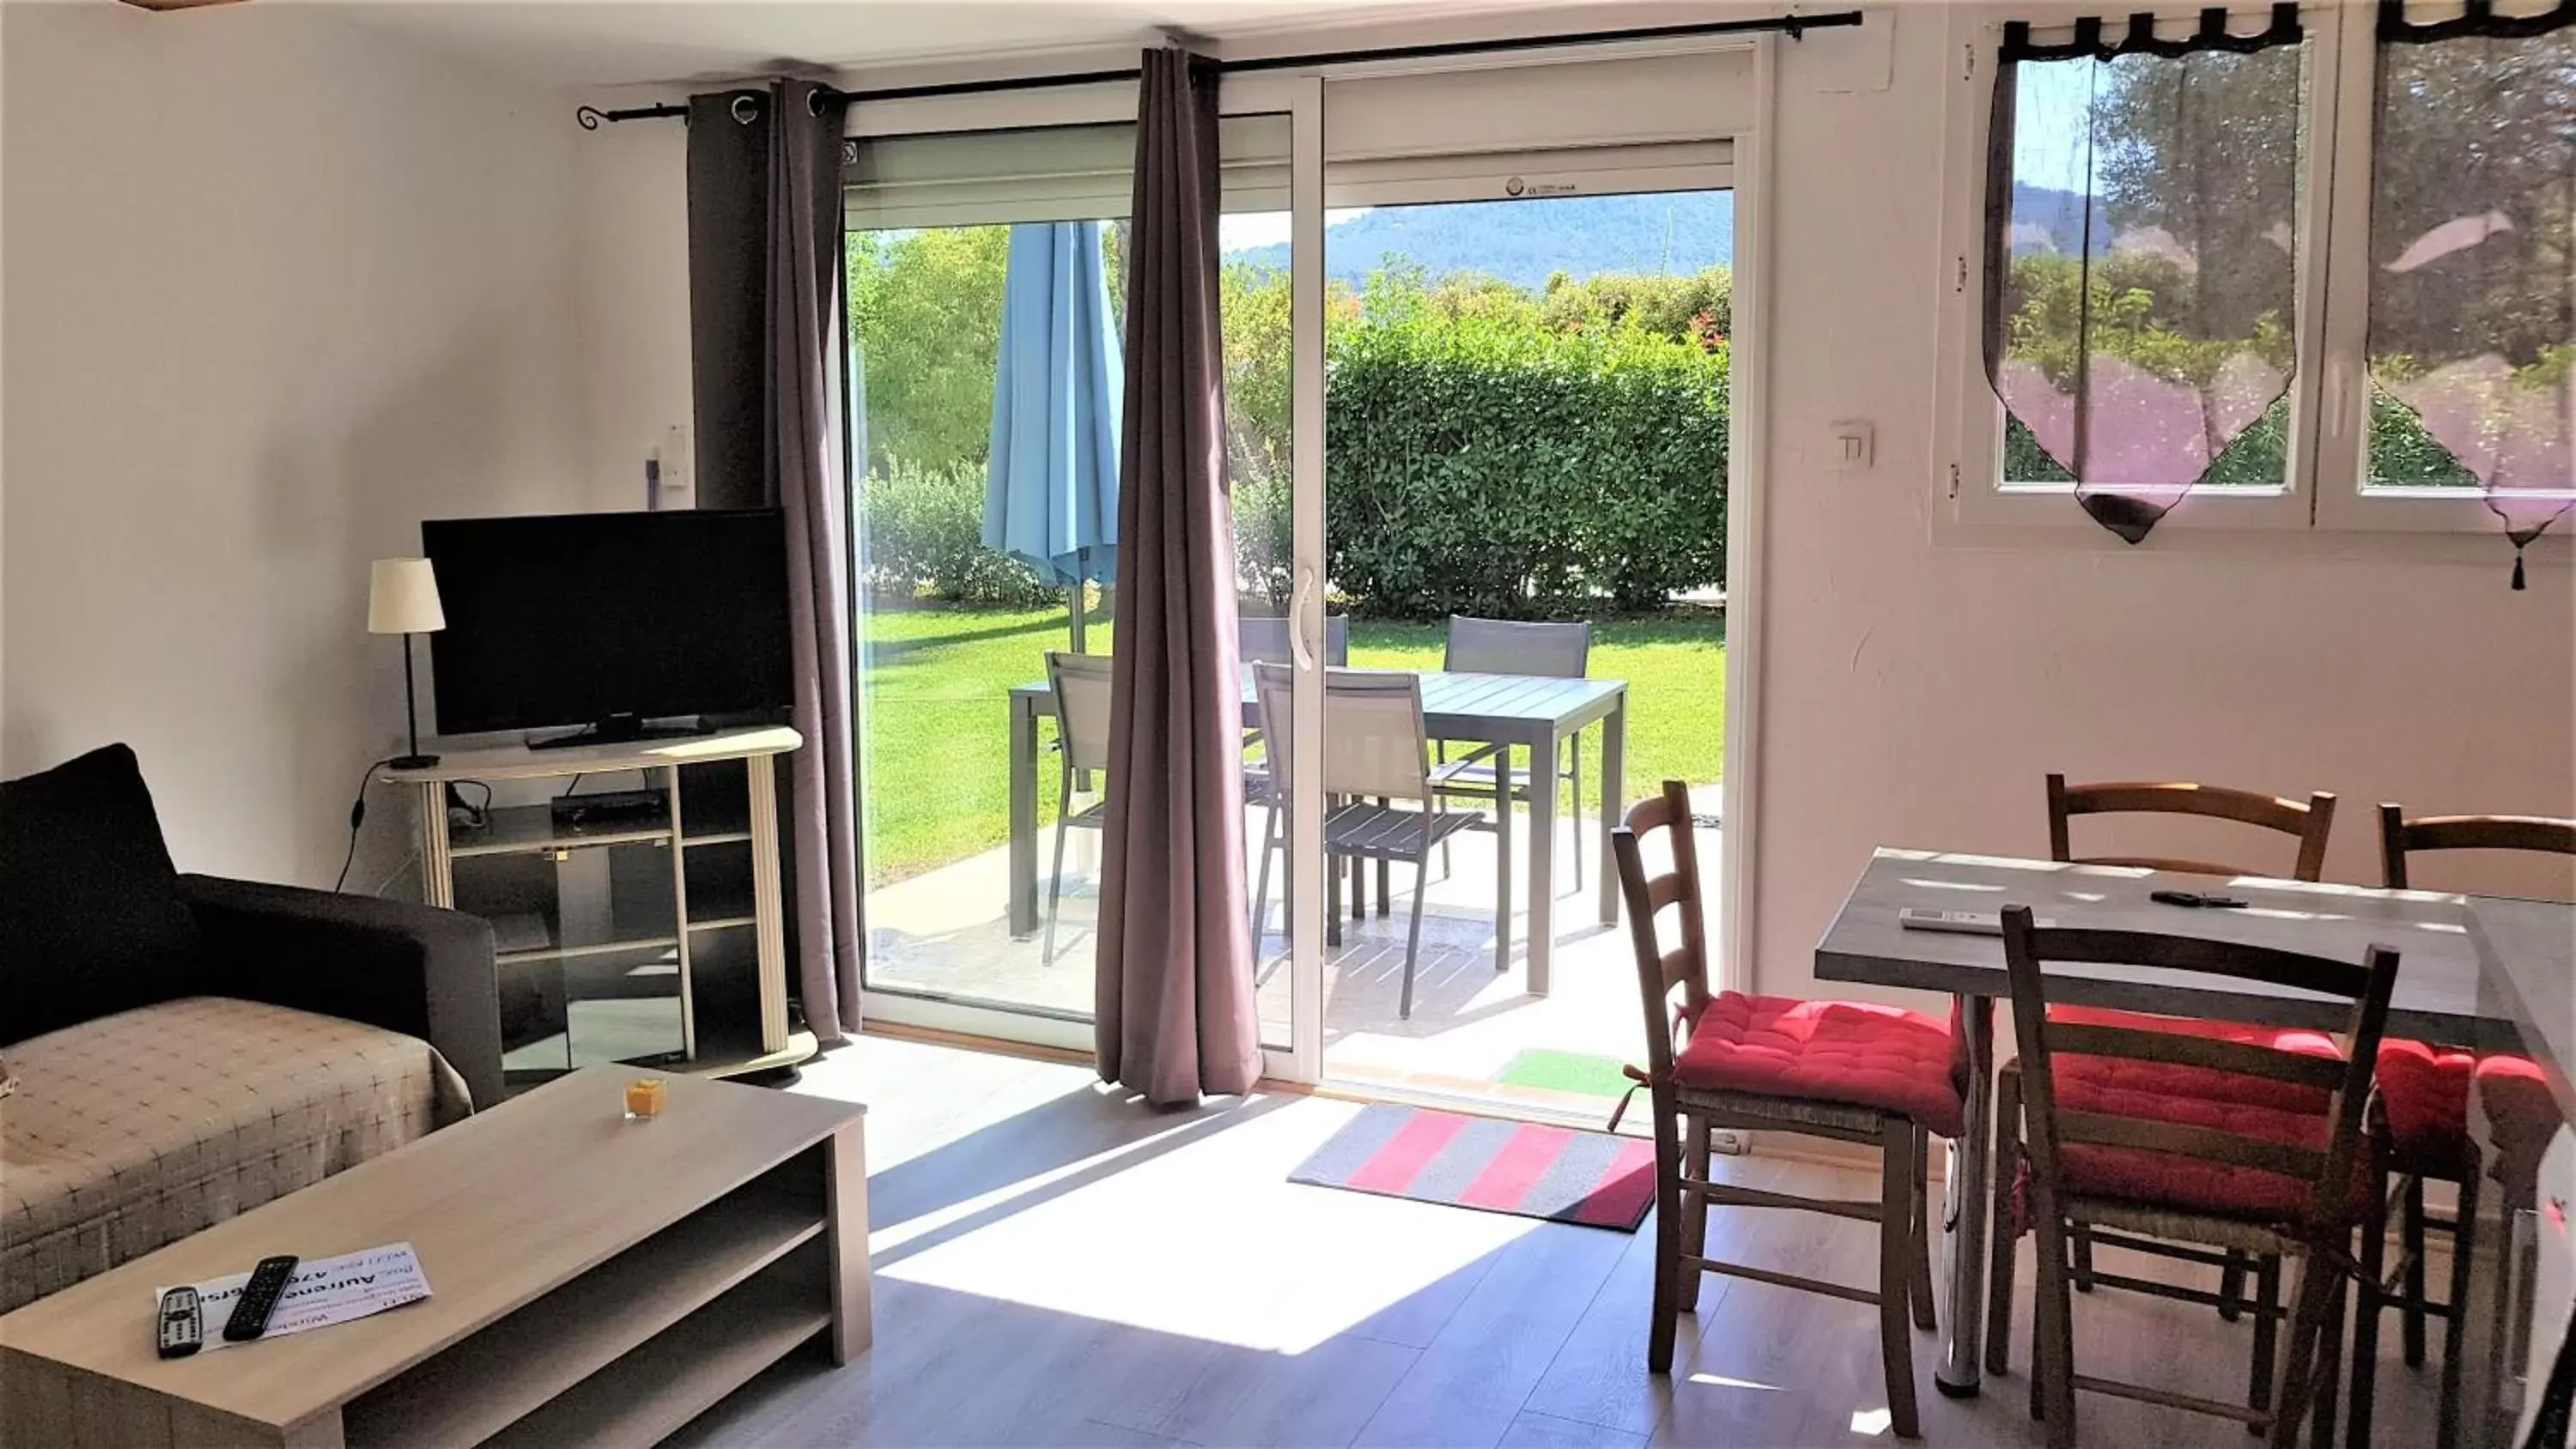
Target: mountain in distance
2045,219
1522,241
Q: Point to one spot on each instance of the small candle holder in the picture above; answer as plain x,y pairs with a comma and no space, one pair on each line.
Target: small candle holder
644,1099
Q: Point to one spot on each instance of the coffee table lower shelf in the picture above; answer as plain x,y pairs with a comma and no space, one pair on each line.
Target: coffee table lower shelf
612,1334
680,1374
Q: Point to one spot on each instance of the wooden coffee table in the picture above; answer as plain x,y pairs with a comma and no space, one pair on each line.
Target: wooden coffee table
593,1280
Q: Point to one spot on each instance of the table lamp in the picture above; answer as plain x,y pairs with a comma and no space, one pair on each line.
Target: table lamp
402,598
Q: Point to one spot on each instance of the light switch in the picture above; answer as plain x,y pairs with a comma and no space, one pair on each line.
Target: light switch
1850,446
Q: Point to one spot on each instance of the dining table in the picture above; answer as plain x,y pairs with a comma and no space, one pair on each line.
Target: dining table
1518,711
2447,991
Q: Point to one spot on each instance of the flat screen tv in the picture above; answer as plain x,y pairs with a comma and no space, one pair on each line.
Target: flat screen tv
608,620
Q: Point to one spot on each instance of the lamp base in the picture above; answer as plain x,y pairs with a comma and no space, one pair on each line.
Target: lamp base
411,762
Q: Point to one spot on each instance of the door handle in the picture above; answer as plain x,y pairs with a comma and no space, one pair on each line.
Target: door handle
1298,649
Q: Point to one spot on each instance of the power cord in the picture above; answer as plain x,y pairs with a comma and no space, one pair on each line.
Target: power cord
357,817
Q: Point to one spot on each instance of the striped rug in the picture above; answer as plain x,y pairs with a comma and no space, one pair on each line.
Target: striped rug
1523,1168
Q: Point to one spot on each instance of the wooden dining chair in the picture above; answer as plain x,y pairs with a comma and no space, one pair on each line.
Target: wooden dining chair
1879,1076
2276,1174
2419,1130
2308,823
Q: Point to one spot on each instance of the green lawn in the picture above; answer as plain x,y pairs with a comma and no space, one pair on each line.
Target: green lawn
936,754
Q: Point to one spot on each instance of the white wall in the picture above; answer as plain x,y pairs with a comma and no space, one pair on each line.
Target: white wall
1916,692
277,288
632,231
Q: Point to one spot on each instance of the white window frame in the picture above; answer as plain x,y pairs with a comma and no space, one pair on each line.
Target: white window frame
1713,132
2322,489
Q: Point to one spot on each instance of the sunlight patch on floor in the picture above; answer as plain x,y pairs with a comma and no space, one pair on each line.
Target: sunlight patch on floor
1196,1237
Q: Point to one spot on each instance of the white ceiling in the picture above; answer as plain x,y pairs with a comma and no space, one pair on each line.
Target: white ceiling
616,42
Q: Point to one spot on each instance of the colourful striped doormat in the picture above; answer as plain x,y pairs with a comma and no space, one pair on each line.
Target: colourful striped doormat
1557,1173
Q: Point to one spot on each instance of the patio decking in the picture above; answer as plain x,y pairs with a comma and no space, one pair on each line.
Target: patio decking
945,932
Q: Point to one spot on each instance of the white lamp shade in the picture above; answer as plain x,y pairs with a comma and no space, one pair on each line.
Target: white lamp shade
402,598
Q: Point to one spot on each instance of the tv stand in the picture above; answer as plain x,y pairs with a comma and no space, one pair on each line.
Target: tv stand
666,929
618,729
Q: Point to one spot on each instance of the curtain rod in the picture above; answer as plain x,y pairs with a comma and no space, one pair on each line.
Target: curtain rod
1793,26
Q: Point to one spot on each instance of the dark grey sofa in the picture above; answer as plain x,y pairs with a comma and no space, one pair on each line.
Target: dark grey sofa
186,1048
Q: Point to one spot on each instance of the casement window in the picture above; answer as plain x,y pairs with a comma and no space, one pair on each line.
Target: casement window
2308,267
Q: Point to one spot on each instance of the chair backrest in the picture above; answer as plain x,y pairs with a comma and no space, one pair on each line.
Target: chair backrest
2399,836
1374,745
1685,967
1513,646
1081,683
1263,639
2327,1171
2308,822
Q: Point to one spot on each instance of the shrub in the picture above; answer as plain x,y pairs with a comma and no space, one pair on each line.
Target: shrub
1264,539
1480,464
924,533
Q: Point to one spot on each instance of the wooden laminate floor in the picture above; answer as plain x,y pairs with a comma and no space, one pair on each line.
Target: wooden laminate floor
1057,1265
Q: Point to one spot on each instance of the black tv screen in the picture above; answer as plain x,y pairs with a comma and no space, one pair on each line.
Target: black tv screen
574,619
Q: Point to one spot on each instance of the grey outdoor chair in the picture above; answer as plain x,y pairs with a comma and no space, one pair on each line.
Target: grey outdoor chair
1263,639
1376,754
1081,685
1510,646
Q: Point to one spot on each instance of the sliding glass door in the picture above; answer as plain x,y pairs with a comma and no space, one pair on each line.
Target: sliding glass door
1523,513
1519,280
987,292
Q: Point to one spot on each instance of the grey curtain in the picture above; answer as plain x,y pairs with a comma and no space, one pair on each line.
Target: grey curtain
1175,1000
765,316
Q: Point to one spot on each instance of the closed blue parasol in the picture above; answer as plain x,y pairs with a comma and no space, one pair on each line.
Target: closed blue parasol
1051,490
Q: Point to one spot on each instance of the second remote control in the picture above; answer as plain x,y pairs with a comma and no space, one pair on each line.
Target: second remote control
250,1311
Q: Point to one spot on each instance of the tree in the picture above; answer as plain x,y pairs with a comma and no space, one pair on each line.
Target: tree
927,307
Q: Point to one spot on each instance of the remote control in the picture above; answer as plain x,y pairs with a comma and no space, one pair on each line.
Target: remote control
1964,923
258,1296
2196,900
183,1326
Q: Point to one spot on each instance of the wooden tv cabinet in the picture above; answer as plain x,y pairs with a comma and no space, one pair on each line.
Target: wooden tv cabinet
678,912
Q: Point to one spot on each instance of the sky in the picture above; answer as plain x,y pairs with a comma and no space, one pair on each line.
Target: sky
2049,126
1242,231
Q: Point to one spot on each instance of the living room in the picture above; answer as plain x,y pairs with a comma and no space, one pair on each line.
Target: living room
285,282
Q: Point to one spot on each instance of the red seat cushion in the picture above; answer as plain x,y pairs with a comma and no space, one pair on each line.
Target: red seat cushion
2200,1097
1831,1051
2188,1081
2424,1094
2523,1117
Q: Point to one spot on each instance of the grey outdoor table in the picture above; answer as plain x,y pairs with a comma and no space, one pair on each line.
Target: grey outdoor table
2437,995
1537,713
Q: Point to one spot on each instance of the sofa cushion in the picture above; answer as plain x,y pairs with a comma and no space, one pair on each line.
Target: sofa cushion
90,916
140,1128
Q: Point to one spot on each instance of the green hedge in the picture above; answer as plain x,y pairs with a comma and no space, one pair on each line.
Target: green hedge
924,534
1480,465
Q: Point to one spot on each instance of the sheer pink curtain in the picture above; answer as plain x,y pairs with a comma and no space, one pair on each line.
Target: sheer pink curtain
2473,259
2141,210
